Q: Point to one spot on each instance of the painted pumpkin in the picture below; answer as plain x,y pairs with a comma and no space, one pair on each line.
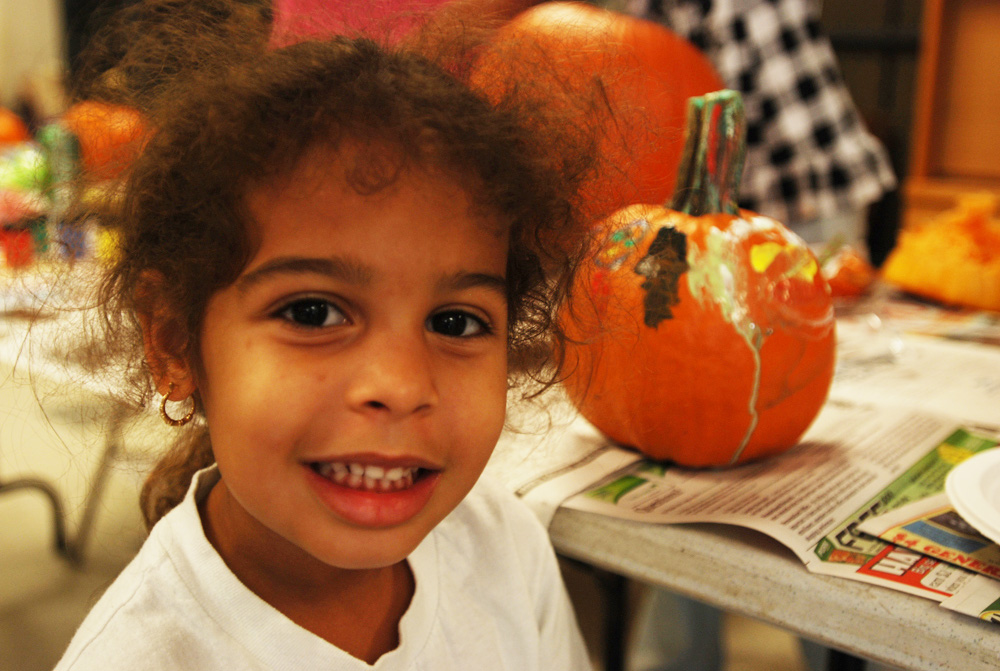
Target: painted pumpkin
642,73
704,334
109,136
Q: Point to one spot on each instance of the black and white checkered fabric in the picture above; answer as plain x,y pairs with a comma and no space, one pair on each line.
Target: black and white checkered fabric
809,155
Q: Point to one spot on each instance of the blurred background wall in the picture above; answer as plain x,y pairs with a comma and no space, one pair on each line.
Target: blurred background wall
877,43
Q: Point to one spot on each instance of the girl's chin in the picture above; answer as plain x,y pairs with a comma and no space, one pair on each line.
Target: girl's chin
368,551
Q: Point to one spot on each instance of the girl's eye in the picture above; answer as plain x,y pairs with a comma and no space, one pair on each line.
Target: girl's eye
312,313
457,324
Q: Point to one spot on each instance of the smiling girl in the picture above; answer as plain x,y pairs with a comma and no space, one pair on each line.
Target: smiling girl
334,259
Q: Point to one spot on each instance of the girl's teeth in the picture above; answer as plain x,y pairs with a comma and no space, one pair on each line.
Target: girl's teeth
371,478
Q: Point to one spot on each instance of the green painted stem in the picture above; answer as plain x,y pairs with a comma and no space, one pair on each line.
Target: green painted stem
708,183
708,177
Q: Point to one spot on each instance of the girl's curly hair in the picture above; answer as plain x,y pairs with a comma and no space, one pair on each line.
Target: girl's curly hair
228,113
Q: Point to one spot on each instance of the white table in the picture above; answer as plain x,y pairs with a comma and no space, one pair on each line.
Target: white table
745,572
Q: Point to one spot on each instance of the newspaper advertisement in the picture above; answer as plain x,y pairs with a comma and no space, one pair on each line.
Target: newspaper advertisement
981,598
932,527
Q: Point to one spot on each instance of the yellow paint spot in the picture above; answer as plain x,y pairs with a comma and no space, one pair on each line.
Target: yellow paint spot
764,254
809,270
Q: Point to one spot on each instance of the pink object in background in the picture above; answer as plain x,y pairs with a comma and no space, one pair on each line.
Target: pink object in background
18,206
296,20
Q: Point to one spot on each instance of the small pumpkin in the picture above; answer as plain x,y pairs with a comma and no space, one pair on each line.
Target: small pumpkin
702,334
639,73
109,135
12,128
848,273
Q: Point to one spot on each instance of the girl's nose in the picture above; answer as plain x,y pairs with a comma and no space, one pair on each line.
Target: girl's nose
394,377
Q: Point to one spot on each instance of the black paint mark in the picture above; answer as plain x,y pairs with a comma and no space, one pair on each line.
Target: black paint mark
662,266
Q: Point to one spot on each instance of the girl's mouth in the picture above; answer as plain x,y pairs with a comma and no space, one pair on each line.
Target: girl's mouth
369,478
373,495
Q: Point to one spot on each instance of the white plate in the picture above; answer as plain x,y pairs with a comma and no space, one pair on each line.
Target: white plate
973,487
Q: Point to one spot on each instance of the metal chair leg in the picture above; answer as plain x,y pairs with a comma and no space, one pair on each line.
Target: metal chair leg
72,549
614,594
62,544
615,588
842,661
112,448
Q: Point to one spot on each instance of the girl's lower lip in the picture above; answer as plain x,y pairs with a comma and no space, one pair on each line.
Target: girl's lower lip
373,509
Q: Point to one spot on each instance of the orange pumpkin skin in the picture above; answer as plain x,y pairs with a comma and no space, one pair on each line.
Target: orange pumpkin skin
739,368
12,128
642,73
109,135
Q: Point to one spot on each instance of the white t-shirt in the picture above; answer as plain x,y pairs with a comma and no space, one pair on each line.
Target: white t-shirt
488,596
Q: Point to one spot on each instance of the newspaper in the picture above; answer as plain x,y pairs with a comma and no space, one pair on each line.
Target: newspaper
550,453
923,318
904,409
932,527
855,462
980,598
886,366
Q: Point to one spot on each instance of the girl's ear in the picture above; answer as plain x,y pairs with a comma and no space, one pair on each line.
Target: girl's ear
165,340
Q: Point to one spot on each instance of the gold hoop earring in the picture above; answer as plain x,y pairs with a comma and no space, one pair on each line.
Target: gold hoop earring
167,418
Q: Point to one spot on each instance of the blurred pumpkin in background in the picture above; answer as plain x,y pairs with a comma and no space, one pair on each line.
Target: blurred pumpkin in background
847,271
702,334
109,136
639,73
953,257
12,128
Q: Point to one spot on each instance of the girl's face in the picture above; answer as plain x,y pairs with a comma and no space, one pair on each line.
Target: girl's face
354,376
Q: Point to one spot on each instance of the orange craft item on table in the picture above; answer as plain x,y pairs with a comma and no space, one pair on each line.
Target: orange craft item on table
848,273
643,74
109,136
18,247
12,128
703,334
953,258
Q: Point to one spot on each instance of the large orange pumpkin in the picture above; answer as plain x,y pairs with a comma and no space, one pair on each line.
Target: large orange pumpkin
639,73
109,135
704,334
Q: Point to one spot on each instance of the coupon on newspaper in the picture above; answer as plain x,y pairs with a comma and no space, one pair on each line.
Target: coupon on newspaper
931,526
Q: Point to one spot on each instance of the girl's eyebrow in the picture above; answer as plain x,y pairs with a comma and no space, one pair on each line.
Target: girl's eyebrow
356,273
489,281
345,270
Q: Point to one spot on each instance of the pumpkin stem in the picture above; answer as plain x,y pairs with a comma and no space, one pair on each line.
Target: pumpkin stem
711,165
